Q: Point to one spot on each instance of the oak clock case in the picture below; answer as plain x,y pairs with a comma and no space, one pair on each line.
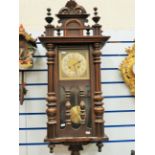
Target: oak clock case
75,108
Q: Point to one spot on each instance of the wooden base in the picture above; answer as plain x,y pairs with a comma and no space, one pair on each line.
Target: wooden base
75,144
66,140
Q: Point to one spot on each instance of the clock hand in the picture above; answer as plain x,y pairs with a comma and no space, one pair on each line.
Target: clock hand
74,65
77,62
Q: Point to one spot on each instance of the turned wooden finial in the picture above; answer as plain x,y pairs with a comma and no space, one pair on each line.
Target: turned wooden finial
96,18
51,146
88,30
95,11
96,27
75,149
49,19
49,28
99,145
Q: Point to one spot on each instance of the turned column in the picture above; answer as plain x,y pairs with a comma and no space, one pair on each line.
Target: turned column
68,108
82,107
98,105
51,98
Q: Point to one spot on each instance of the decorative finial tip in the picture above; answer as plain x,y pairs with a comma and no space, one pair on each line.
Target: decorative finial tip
95,11
48,11
96,18
49,19
95,8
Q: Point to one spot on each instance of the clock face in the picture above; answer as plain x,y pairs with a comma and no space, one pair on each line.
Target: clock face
74,65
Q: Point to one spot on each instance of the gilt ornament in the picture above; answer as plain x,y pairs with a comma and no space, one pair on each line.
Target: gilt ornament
127,69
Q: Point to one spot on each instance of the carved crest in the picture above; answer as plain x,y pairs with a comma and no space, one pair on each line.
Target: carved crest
72,8
75,116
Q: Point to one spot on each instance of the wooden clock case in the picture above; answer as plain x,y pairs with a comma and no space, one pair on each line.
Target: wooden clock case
73,34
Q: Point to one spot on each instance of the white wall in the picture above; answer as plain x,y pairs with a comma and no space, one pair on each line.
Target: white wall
118,22
116,14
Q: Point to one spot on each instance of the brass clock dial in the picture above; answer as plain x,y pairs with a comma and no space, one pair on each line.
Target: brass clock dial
74,65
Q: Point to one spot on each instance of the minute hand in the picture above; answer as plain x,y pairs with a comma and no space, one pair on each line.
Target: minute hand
75,65
77,62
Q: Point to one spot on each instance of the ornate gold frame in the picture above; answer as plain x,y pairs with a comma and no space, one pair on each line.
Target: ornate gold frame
127,69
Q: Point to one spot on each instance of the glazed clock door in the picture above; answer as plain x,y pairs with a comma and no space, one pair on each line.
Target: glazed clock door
74,88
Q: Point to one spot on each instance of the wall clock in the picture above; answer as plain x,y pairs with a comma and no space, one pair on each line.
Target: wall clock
75,108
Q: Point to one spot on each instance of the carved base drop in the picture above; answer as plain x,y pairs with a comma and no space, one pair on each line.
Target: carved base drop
75,149
99,145
51,146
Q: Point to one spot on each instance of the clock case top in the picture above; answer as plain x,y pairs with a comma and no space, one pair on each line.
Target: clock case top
74,34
